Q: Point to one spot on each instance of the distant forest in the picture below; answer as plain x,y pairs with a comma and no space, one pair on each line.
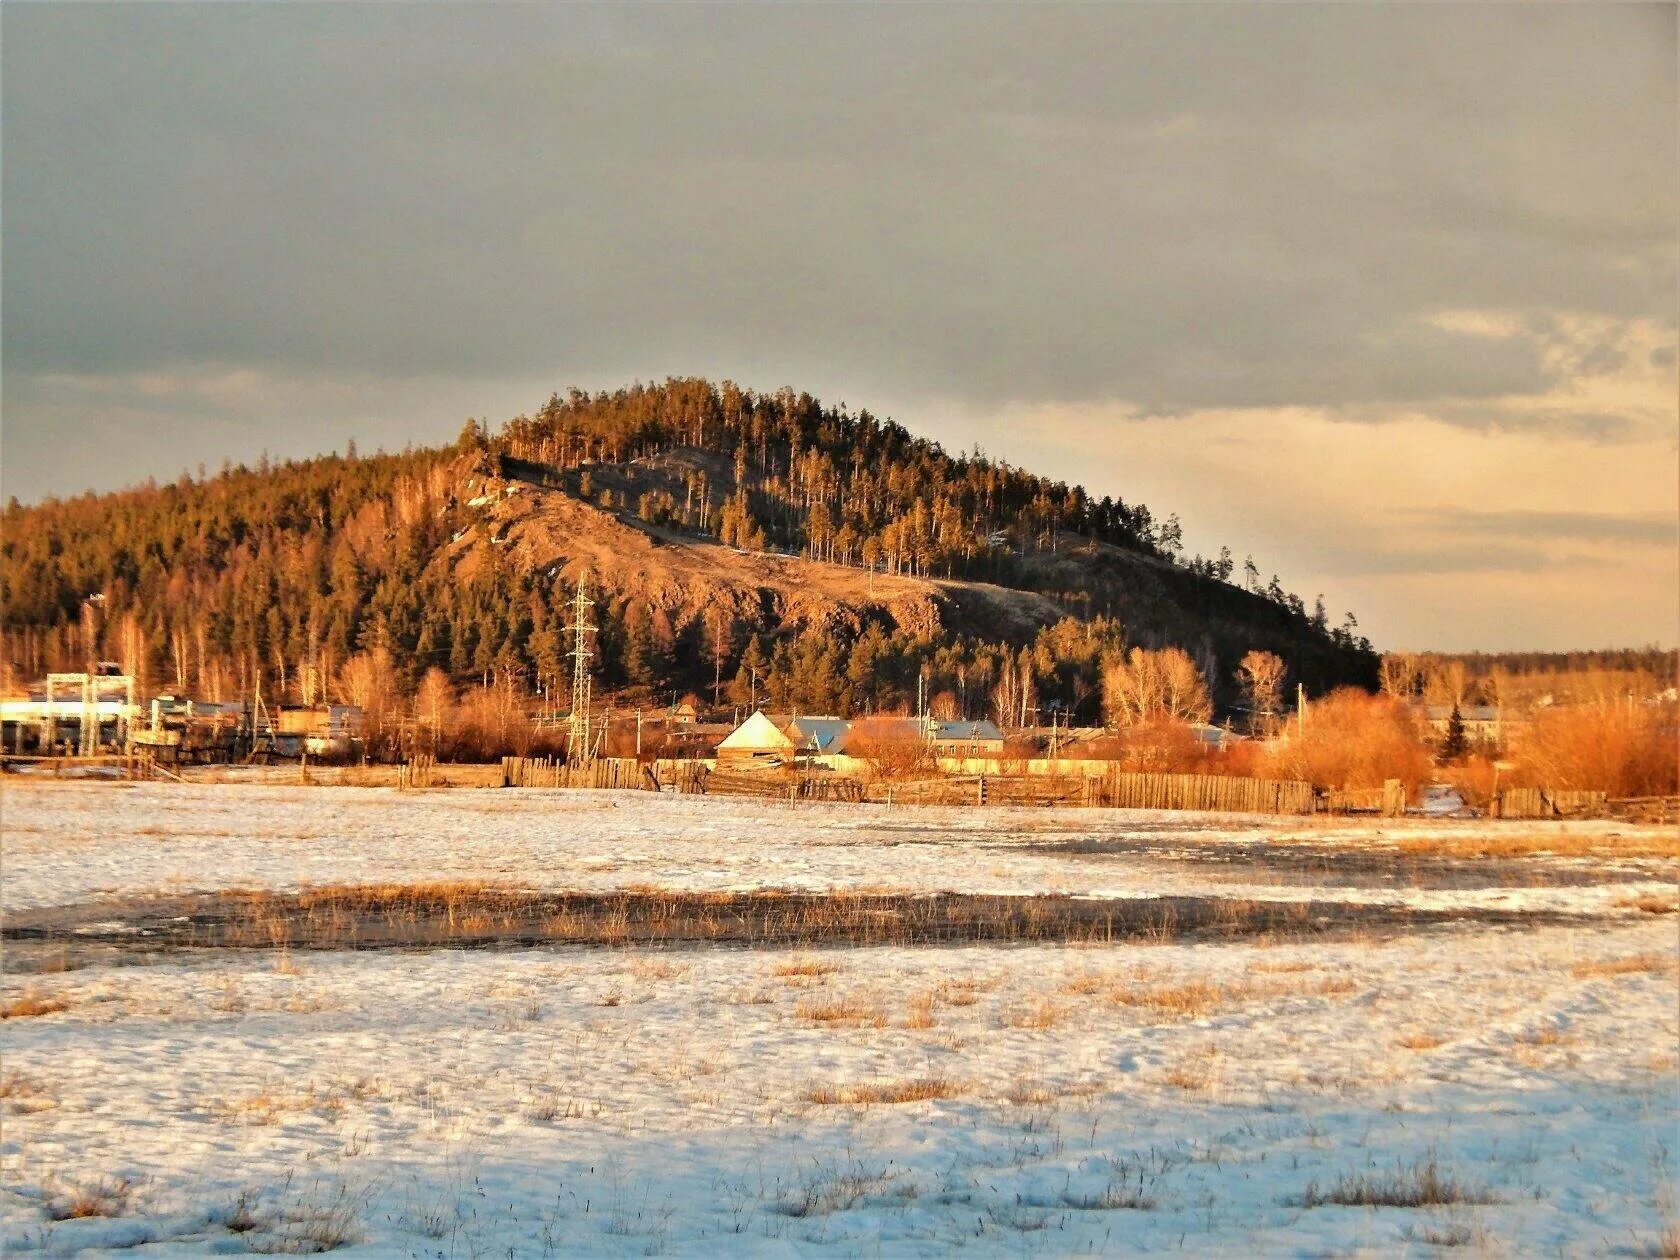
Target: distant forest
283,576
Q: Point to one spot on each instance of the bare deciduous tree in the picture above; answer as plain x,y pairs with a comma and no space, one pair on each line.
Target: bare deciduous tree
1260,674
1144,686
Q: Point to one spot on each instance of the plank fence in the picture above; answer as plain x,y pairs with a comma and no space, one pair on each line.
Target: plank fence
1534,802
1389,800
1129,791
1645,809
552,772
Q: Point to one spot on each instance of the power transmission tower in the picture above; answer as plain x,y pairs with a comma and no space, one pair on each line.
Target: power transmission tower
577,744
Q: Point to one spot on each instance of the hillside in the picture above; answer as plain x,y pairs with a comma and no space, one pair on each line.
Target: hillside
823,558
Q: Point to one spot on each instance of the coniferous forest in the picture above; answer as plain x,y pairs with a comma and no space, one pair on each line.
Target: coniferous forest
298,578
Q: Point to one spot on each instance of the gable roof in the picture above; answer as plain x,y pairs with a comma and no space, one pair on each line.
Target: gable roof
757,734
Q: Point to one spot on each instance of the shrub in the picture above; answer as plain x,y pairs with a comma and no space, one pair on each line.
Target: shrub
894,747
1609,747
1351,739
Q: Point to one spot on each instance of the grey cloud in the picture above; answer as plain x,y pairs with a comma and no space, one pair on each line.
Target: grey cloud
1552,526
1184,206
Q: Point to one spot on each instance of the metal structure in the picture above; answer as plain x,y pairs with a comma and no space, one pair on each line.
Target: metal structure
85,691
578,747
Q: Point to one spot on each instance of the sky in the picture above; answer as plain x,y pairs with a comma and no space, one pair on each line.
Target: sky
1385,296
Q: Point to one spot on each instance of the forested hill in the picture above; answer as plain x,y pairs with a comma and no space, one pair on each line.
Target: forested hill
727,534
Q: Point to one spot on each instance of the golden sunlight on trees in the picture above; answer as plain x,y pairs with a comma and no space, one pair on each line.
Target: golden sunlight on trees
1260,675
1624,749
1351,739
1143,686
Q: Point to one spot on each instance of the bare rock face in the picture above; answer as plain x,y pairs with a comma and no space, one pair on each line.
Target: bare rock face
554,533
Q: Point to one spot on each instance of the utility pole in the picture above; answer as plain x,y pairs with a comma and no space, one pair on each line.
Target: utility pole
577,744
1300,711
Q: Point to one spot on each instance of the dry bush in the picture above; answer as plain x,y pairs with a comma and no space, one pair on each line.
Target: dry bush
842,1011
1354,740
1630,964
893,747
1422,1184
1474,779
1606,747
1163,746
106,1197
914,1089
32,1004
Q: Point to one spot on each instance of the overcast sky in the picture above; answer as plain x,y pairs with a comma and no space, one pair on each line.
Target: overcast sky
1383,295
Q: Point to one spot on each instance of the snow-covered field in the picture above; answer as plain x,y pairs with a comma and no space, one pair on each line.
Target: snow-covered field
1194,1097
67,843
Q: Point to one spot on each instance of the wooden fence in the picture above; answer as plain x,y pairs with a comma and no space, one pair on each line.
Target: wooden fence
551,772
1534,802
1389,800
1130,791
1645,809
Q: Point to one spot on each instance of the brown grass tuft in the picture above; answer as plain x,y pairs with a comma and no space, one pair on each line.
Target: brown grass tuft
106,1197
805,967
32,1004
1629,964
1422,1184
842,1011
1422,1041
915,1089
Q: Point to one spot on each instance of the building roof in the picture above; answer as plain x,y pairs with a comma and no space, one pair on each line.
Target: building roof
757,734
1469,712
818,734
958,732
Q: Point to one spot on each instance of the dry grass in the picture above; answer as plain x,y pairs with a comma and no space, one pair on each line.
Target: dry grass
1183,1000
1193,1074
25,1096
30,1005
1024,1092
1649,903
1491,843
1423,1184
657,969
845,1012
107,1197
1422,1041
911,1090
1040,1016
805,968
919,1013
1629,964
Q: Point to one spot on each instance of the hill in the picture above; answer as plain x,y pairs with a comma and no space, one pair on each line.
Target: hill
824,558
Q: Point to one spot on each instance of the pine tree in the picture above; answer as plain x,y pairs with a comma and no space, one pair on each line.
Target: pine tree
1457,742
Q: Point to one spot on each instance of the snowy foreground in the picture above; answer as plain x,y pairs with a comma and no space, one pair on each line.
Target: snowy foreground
1204,1098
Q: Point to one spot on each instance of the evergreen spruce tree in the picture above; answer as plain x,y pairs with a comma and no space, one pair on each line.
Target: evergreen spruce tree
1457,743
